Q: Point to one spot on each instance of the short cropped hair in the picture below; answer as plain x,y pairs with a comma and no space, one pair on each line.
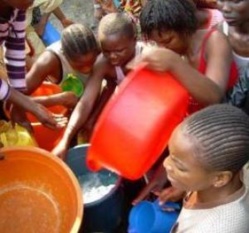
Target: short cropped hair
116,23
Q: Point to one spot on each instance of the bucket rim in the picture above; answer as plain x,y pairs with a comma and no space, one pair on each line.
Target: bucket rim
117,184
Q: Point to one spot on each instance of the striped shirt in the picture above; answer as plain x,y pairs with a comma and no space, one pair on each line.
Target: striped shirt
12,37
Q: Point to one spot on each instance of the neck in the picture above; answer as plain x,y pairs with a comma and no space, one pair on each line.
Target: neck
194,44
219,194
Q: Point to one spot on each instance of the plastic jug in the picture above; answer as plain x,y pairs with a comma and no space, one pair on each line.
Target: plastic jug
74,84
15,136
150,217
50,34
135,125
47,89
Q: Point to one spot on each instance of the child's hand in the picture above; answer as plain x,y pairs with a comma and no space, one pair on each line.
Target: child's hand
18,115
157,59
170,194
67,99
66,22
60,150
48,119
157,182
108,6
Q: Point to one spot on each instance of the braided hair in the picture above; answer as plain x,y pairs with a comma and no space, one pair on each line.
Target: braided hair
222,135
116,23
77,40
168,15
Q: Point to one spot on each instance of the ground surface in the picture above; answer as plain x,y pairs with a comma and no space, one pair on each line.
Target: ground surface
80,11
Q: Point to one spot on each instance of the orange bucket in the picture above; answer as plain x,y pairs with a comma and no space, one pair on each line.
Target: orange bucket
46,138
135,125
47,89
38,193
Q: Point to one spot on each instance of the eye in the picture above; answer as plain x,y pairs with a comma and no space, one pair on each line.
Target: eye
177,164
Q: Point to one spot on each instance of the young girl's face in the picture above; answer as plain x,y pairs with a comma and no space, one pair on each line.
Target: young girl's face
182,168
84,63
170,40
117,48
234,12
19,4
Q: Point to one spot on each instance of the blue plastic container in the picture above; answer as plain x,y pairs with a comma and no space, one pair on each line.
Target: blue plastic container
103,215
150,217
50,34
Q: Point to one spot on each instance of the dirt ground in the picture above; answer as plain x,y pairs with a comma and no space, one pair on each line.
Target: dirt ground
80,11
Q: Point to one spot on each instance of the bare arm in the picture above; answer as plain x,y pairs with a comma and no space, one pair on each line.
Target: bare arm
208,88
40,27
105,96
46,64
62,18
83,108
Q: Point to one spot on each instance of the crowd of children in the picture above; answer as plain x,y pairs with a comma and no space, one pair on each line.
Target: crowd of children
204,44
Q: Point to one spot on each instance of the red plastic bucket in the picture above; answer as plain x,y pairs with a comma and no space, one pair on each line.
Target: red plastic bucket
135,126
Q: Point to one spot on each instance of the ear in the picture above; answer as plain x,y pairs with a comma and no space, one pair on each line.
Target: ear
222,178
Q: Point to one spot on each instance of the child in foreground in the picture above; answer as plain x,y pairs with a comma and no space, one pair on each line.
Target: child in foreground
207,154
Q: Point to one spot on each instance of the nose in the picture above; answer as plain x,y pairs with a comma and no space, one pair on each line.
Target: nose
86,69
225,7
168,165
113,56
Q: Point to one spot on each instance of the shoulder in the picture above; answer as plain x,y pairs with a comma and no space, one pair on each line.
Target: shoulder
102,67
231,217
48,60
217,42
56,47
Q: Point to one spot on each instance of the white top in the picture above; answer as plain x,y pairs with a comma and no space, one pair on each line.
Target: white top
231,216
241,62
66,67
119,72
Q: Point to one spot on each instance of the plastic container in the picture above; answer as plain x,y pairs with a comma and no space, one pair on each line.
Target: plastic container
39,193
149,217
104,214
47,89
46,138
74,84
50,34
135,125
15,136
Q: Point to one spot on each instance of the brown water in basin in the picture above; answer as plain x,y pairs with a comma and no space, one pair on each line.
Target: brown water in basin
21,205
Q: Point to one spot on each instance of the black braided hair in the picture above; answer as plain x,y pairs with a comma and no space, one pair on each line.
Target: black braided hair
77,40
222,135
117,23
168,15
